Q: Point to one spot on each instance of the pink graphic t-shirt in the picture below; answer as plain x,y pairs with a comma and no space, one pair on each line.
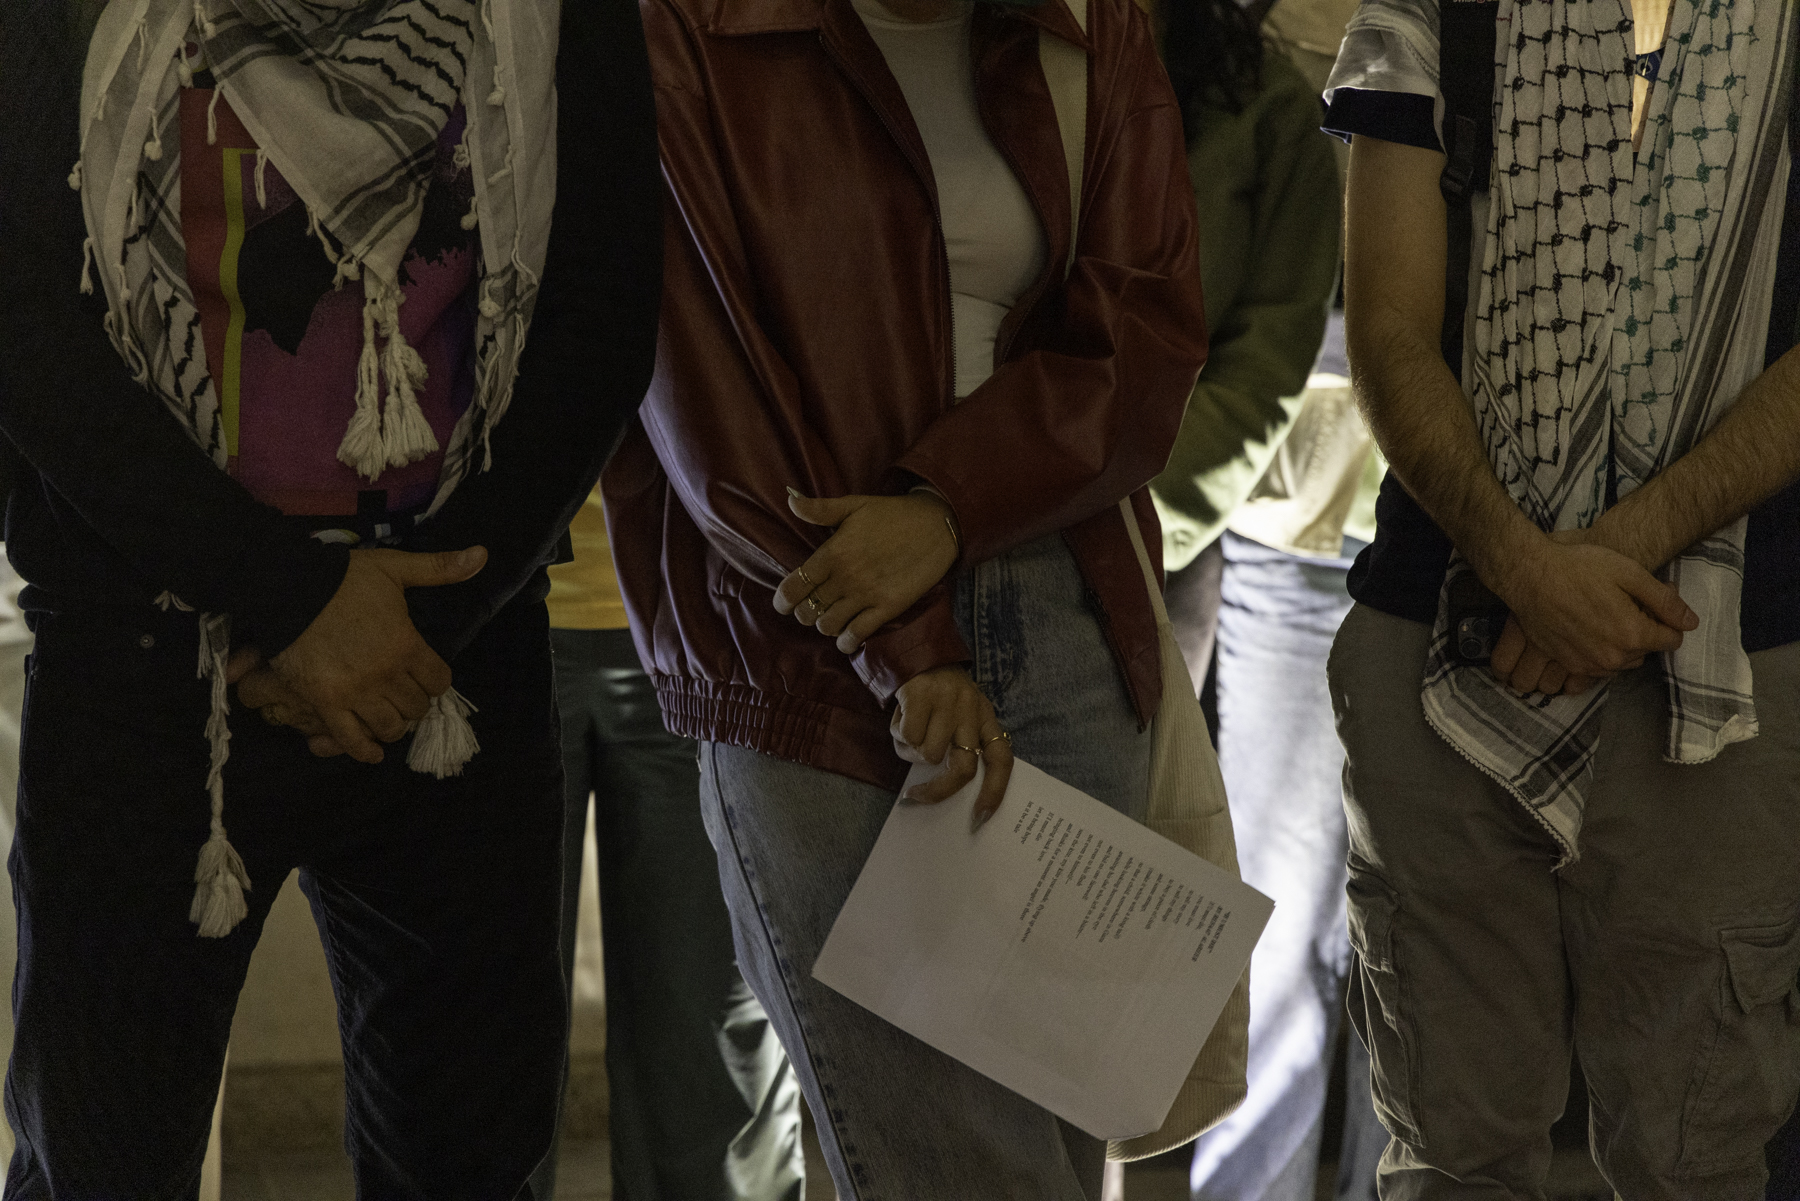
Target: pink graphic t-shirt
282,343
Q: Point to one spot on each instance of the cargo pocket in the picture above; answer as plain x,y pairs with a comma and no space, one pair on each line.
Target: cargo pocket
1378,1007
1748,1070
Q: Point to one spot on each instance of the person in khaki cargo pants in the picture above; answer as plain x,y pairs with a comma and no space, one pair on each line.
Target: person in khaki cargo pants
1573,799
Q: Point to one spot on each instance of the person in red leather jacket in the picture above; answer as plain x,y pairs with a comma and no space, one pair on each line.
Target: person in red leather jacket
870,513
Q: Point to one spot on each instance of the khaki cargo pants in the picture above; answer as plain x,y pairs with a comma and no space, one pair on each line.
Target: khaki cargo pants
1666,957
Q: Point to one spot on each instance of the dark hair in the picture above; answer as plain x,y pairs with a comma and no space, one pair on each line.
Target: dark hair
1213,51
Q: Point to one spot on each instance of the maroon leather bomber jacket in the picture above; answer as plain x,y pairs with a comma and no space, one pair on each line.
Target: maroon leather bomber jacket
806,341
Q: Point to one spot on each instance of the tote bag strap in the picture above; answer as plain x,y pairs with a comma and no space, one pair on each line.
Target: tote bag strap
1143,558
1187,797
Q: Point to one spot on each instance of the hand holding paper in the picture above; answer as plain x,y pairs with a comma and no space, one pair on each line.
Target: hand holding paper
942,711
1063,950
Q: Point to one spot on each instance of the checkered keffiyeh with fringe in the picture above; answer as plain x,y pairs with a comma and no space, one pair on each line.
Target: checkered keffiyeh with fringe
348,99
1623,305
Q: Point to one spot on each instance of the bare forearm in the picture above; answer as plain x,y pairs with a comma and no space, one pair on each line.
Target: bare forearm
1422,423
1752,453
1394,301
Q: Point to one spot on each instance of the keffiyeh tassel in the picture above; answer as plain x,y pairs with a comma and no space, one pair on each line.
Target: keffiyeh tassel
392,435
444,741
405,434
361,448
220,880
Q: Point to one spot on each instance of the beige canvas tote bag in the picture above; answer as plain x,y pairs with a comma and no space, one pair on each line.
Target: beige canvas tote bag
1187,796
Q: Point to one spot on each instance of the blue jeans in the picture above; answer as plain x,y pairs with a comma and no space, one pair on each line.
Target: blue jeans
436,901
703,1105
1283,767
899,1121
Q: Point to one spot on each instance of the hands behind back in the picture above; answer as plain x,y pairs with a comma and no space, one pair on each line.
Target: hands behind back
1583,611
886,553
360,672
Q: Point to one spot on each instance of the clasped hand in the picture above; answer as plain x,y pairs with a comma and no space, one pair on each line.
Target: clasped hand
886,552
360,674
1581,612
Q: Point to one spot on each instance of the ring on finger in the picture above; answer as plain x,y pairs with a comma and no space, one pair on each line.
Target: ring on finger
817,606
1002,736
957,746
804,578
272,714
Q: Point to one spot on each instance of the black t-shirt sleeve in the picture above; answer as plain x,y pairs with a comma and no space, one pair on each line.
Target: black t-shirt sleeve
1403,117
96,445
592,344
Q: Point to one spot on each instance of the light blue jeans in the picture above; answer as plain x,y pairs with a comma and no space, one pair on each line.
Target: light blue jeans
899,1121
1283,769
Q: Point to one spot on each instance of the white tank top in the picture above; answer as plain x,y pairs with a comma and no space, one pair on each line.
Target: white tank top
995,244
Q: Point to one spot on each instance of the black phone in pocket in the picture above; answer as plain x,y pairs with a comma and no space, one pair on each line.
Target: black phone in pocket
1476,618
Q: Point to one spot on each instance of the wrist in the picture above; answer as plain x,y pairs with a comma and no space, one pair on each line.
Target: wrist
949,516
1619,529
1509,560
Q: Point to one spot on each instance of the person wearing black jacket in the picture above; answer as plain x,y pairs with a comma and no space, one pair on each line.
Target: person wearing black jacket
167,503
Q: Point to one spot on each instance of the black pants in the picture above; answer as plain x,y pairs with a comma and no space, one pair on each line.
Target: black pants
437,902
704,1106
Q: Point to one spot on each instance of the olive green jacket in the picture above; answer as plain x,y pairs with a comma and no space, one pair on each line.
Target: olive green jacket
1266,184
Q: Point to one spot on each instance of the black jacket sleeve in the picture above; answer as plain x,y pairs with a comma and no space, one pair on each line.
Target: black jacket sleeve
100,448
592,345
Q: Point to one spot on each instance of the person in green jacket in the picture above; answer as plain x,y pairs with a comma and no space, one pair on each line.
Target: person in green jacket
1267,187
1271,442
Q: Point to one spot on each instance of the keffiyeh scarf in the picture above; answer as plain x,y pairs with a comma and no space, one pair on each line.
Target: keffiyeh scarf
1623,306
348,99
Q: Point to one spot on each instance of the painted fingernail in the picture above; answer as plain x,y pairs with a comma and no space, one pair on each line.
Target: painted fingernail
796,493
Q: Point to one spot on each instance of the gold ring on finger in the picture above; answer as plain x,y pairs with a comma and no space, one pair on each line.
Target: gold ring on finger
1002,736
804,578
818,607
957,746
